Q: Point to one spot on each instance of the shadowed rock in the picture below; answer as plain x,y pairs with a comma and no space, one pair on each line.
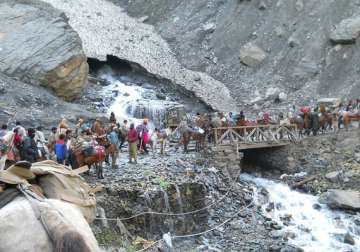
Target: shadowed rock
38,46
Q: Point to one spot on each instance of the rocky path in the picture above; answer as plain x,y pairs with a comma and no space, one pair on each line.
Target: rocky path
177,183
106,30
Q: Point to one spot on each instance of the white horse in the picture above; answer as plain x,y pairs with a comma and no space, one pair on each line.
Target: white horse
62,228
159,138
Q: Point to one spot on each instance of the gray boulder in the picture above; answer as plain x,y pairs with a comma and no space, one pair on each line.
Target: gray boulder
341,199
38,46
346,31
333,176
252,55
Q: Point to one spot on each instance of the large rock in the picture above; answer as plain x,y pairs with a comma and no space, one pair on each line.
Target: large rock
38,46
346,31
252,55
341,199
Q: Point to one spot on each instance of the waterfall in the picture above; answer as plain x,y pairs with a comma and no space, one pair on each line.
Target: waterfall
313,229
178,198
133,102
166,200
149,202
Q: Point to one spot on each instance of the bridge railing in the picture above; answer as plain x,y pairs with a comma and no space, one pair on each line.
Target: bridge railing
271,134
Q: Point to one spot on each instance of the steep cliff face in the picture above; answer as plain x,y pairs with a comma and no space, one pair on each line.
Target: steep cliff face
303,52
38,46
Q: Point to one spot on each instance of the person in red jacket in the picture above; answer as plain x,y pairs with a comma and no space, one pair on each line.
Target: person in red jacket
132,139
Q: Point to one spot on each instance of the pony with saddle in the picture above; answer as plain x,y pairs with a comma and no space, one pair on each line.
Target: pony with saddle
51,215
191,134
86,151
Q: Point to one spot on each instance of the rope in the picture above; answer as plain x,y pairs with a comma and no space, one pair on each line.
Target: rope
167,214
201,233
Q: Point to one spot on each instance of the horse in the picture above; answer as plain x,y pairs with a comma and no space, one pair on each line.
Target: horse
159,137
249,126
188,134
300,124
79,158
101,138
60,226
325,121
349,117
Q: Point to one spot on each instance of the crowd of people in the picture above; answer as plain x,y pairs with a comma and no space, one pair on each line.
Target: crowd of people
32,145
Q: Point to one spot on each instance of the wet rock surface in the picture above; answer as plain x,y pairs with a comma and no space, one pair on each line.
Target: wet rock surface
341,199
331,159
38,46
151,186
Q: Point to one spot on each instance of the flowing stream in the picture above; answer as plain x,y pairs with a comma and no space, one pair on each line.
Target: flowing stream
312,229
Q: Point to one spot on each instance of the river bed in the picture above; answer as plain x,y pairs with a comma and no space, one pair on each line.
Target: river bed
308,224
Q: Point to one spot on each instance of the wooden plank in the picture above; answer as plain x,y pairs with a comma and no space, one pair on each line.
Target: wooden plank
224,135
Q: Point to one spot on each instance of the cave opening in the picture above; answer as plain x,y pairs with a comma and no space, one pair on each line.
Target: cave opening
116,64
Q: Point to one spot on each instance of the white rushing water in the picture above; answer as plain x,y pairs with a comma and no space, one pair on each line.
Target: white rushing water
134,102
315,230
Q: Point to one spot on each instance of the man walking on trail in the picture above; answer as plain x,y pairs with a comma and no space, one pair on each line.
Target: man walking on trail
41,142
114,140
60,149
30,151
52,140
132,139
143,136
123,131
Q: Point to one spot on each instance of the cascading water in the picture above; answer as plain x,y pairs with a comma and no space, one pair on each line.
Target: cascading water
313,229
166,200
134,102
178,198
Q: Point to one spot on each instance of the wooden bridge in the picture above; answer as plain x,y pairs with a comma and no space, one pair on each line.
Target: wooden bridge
253,137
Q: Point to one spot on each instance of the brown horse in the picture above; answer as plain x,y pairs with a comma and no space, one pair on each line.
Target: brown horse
245,123
349,117
300,125
188,134
96,160
110,150
79,158
198,137
101,138
325,121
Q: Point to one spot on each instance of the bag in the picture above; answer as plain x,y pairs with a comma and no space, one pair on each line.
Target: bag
100,152
57,182
145,138
89,151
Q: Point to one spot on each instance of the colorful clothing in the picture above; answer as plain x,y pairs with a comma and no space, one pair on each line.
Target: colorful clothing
60,151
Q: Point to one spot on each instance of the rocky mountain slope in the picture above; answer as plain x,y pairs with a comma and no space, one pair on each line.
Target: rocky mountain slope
38,46
35,106
106,29
261,47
